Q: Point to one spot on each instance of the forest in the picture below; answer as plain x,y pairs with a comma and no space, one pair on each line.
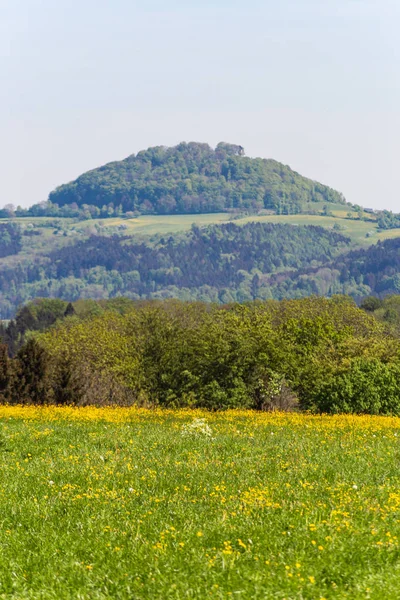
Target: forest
82,243
217,263
191,178
316,354
10,239
359,273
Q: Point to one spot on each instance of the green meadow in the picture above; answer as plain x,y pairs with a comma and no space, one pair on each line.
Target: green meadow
362,233
134,504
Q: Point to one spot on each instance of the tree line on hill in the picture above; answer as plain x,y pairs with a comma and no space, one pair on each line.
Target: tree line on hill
191,178
388,220
215,255
323,355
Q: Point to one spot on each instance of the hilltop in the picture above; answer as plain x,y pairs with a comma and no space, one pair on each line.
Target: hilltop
193,178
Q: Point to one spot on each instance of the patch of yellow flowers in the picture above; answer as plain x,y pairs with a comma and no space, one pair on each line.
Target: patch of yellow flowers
128,414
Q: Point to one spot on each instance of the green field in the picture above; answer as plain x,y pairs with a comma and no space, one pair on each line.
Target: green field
148,225
363,233
128,504
151,225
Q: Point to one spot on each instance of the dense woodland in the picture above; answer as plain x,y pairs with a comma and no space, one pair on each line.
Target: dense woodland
358,273
324,355
192,178
217,263
219,256
10,239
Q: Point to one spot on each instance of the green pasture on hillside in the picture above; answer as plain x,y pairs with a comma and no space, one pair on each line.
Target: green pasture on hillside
362,233
355,229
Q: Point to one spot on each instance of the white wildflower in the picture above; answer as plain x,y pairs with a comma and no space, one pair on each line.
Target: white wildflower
197,428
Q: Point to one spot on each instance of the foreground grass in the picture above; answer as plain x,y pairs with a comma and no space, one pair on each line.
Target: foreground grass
118,503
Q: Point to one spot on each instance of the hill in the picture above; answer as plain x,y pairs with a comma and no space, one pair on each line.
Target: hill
193,178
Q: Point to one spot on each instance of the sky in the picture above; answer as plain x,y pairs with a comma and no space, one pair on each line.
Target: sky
314,84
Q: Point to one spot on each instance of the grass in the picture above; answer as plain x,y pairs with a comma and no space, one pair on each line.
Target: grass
149,225
355,229
153,224
163,224
120,503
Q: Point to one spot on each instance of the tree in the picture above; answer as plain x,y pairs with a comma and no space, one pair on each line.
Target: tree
32,384
255,284
371,303
25,320
5,374
368,386
69,311
68,386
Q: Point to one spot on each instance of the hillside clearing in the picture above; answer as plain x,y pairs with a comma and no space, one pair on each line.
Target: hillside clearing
149,225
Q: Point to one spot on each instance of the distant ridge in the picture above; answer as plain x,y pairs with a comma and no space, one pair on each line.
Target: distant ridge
195,178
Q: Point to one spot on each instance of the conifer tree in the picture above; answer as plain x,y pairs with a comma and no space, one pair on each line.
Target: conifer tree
68,388
12,338
25,320
69,311
5,374
32,383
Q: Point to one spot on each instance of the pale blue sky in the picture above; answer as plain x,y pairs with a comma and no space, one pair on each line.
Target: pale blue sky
312,83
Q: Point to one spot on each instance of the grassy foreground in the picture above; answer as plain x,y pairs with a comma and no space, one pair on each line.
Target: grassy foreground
131,504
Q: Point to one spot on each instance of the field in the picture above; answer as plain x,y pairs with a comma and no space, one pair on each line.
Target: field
362,233
136,504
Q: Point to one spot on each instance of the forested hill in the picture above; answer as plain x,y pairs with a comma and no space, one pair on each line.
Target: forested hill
218,263
194,178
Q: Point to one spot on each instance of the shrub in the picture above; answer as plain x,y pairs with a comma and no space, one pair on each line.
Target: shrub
368,386
315,353
371,303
